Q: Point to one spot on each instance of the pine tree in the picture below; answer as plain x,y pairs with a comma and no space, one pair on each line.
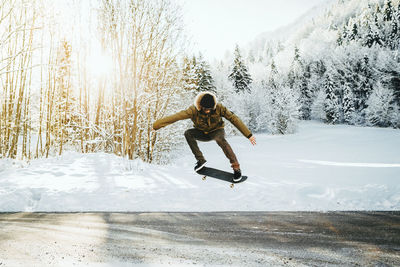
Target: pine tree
319,67
354,32
394,35
204,77
286,110
397,21
380,107
366,84
296,69
306,94
377,9
369,37
377,19
239,76
298,78
339,40
388,11
348,104
345,34
189,75
272,78
331,103
251,57
274,70
318,106
398,12
377,39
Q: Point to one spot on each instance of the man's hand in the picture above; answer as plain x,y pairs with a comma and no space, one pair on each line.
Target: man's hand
253,140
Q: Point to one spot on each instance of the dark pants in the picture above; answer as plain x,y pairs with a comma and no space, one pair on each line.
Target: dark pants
192,135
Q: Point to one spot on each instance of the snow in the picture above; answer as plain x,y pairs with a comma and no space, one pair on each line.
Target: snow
320,168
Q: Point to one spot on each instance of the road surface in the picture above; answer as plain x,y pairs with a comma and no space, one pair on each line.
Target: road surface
241,239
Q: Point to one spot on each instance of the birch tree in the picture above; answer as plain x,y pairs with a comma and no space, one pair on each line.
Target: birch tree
143,37
17,24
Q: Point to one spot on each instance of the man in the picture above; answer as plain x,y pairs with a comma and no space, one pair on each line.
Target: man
206,114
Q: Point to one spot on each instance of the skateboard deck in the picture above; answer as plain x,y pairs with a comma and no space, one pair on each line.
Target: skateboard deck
220,175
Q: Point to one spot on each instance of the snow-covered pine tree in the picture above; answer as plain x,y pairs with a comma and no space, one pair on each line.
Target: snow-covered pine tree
397,19
377,37
250,107
261,108
331,105
344,34
306,94
397,15
240,76
380,107
394,35
223,86
348,104
386,27
339,40
189,76
298,78
204,77
268,50
354,32
369,37
251,58
285,110
388,11
296,69
366,82
273,75
377,12
318,106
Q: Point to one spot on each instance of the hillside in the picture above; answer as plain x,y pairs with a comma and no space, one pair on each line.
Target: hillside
338,64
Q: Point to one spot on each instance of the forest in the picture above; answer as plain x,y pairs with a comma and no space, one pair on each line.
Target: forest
57,94
341,67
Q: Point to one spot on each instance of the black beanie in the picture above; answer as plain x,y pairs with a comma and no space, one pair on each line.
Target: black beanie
207,101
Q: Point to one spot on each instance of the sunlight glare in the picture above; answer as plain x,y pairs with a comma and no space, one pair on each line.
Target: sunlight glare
100,64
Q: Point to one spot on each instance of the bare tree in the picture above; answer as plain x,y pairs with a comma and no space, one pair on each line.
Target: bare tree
47,91
16,45
143,37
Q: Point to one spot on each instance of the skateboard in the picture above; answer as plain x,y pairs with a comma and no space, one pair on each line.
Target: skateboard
220,175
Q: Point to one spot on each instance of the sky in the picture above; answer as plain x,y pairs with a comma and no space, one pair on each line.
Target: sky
216,26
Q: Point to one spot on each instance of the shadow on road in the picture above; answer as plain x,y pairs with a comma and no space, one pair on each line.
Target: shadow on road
243,238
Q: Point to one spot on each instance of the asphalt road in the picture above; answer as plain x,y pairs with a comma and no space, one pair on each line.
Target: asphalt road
241,239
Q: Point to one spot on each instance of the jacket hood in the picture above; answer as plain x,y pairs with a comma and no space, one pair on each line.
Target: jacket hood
200,96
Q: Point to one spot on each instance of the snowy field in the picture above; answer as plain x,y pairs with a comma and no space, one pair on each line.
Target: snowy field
320,168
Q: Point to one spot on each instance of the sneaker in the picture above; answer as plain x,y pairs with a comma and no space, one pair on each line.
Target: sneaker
237,176
199,165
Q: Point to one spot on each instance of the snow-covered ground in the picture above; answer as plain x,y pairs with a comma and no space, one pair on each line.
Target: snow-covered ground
319,168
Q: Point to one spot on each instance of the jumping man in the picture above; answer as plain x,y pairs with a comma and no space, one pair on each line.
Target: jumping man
206,115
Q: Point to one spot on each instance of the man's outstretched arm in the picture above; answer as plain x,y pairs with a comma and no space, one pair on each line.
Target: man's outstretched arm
181,115
235,120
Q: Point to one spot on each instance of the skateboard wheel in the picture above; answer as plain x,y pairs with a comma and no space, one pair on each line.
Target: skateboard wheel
204,178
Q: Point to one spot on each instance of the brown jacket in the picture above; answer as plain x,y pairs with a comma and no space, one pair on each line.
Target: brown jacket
205,122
